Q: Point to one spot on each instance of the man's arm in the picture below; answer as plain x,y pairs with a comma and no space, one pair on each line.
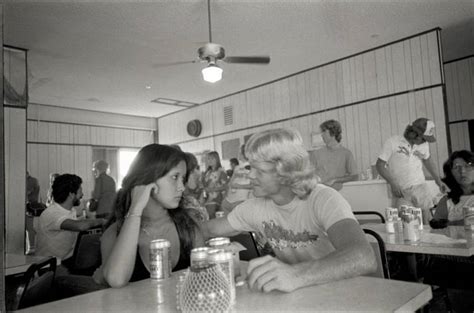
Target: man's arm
81,225
381,166
217,227
431,167
353,257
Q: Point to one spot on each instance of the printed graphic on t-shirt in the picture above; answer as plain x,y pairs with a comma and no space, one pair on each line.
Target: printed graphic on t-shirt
403,150
280,238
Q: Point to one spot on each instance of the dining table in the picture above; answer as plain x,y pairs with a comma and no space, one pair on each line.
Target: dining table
452,240
16,263
361,293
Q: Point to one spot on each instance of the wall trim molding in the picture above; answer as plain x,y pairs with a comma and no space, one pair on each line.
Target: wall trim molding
92,125
459,59
78,145
315,112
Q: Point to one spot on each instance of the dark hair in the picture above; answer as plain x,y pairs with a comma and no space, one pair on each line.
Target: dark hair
412,133
191,162
234,161
151,163
65,184
334,128
456,190
216,156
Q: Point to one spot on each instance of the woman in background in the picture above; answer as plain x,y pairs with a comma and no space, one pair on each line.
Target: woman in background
215,183
454,274
148,208
459,177
193,196
49,195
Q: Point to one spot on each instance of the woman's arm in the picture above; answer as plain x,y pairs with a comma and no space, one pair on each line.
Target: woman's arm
118,268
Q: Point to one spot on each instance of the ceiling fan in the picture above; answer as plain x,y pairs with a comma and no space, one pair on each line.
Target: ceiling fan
213,53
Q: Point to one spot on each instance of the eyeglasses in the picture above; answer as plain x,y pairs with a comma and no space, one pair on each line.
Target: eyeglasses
467,167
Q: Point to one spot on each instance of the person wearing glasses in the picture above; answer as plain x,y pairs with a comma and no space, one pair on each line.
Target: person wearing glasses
401,164
459,177
451,272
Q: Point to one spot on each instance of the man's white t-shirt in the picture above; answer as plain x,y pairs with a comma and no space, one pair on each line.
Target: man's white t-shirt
297,231
51,239
405,161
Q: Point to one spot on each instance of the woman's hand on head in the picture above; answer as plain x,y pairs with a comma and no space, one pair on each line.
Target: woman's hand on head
140,197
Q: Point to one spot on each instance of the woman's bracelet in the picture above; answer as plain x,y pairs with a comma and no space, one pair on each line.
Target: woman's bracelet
132,214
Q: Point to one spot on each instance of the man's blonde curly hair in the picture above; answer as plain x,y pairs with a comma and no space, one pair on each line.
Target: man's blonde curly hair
284,148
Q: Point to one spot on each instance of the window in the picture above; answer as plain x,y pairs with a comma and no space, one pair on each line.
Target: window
125,159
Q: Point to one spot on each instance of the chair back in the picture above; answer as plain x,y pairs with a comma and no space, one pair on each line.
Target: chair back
247,240
86,257
369,217
37,285
380,254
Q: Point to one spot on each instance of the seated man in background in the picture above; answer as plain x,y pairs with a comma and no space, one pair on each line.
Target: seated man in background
311,228
334,163
401,164
57,227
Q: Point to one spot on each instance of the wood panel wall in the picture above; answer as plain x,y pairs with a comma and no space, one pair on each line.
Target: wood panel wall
460,100
61,140
374,94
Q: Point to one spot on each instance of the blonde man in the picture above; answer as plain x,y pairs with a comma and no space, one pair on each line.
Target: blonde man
311,228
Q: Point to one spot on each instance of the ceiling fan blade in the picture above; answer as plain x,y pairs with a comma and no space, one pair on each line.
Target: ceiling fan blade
160,65
249,59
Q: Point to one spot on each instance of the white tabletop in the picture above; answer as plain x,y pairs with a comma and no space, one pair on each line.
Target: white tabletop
453,240
355,294
19,263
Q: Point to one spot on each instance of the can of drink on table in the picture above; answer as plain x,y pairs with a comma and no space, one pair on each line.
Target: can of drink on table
199,257
160,261
224,259
391,213
468,213
224,244
417,213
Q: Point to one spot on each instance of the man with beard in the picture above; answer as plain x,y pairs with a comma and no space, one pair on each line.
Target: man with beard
57,227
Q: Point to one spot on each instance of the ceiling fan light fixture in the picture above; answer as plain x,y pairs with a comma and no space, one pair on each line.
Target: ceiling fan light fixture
212,73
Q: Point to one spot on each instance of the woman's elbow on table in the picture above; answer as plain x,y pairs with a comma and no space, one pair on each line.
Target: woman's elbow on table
115,280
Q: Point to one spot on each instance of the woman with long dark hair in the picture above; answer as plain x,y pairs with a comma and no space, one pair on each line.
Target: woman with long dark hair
459,177
148,208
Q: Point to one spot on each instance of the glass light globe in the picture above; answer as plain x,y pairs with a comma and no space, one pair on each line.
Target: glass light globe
212,73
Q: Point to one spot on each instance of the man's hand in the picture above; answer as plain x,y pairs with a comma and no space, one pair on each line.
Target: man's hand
443,187
268,273
396,191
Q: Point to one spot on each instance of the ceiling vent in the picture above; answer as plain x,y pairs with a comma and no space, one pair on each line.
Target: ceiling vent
228,115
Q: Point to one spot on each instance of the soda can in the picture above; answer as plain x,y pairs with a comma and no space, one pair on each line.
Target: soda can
199,257
224,244
468,213
224,259
403,209
391,213
220,214
418,214
160,261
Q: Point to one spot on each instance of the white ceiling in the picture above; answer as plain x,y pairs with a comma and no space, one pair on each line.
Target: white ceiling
100,56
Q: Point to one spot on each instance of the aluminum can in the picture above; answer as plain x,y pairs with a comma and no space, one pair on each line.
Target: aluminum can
220,214
160,260
404,209
224,259
224,244
391,213
468,213
418,214
199,257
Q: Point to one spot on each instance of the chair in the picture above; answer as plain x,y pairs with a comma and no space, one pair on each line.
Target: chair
247,240
36,287
86,257
363,220
380,254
